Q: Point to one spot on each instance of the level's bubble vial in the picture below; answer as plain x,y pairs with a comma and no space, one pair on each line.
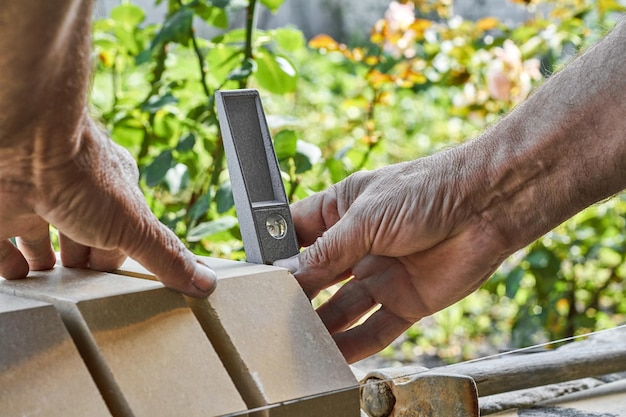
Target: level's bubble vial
276,226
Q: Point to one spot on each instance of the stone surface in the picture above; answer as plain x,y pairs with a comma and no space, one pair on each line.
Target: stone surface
140,341
272,342
41,372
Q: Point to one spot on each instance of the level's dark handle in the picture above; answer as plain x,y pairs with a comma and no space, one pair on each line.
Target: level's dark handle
265,221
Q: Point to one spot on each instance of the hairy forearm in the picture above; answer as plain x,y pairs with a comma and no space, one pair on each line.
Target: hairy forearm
562,150
44,62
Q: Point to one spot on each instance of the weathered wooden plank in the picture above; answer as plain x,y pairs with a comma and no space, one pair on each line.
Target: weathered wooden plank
577,360
608,400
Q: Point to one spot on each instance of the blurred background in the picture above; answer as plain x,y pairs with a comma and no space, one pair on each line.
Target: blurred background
358,84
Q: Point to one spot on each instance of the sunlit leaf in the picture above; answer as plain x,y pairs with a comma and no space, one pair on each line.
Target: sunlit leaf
307,155
129,133
605,6
177,178
275,73
207,229
128,14
378,79
214,15
166,125
289,39
273,5
285,144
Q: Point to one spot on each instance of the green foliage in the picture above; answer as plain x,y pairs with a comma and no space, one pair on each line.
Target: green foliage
571,281
154,91
425,81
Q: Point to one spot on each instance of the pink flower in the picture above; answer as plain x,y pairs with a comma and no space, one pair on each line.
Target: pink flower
509,77
498,84
400,16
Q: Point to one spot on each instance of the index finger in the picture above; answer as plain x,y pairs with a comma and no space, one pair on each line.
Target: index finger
375,334
160,251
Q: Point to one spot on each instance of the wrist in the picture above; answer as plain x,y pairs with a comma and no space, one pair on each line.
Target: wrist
514,185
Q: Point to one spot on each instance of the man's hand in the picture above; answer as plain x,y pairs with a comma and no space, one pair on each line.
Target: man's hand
57,167
408,238
91,196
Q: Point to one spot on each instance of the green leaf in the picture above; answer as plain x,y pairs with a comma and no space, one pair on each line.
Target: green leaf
539,258
214,15
186,143
307,155
513,281
199,208
285,144
275,73
176,29
166,125
157,102
273,5
128,15
128,132
289,39
337,169
126,18
156,171
207,229
224,198
222,4
218,19
143,57
247,68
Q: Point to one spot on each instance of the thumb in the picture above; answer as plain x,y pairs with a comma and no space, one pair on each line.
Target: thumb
331,257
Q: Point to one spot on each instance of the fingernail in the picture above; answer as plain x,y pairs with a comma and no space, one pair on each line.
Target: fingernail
205,278
292,264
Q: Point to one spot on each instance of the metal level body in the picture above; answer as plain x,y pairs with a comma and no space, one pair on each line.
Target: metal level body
265,221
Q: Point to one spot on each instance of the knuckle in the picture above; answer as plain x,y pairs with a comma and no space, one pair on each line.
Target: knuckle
127,163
